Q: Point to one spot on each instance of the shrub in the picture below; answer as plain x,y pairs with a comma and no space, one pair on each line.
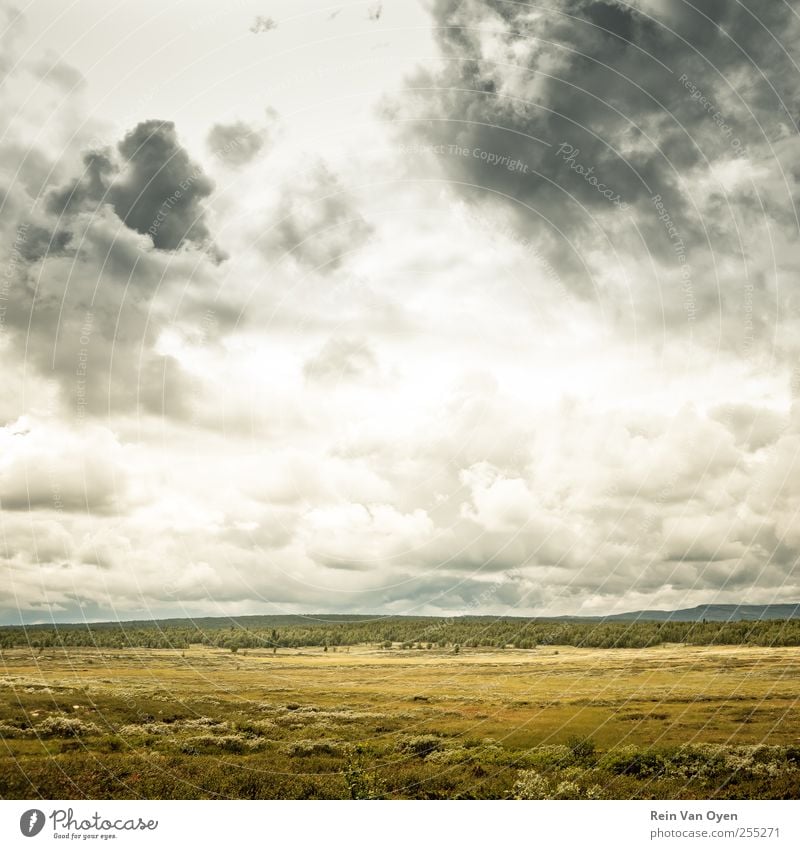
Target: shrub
696,761
10,732
204,722
421,746
310,748
144,728
548,757
583,750
793,755
531,784
567,790
361,782
595,791
256,727
65,726
236,744
458,754
630,760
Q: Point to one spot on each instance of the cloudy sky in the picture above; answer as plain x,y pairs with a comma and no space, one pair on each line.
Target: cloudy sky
416,307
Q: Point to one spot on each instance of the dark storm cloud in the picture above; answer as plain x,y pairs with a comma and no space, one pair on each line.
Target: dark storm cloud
89,190
89,293
585,100
153,186
160,190
42,241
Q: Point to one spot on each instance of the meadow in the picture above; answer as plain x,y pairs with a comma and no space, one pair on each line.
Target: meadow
373,721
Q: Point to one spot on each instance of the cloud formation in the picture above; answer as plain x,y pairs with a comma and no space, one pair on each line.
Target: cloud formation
238,143
468,373
588,101
316,221
153,186
160,190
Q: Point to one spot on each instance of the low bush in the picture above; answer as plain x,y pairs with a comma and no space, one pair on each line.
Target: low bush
235,744
65,726
531,784
11,732
421,746
311,748
631,760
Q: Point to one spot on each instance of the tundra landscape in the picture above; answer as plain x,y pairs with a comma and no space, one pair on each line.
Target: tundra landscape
422,719
400,399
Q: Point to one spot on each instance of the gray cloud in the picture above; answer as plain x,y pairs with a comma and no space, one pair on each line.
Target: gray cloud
238,143
521,80
89,303
261,23
153,186
41,241
53,70
316,222
87,191
87,295
160,190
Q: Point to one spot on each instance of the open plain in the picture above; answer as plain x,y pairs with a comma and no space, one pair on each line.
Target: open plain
672,721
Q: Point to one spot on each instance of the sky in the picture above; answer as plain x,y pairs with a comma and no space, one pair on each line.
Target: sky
443,307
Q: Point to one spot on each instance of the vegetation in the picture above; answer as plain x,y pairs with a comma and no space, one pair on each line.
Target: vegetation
675,721
424,633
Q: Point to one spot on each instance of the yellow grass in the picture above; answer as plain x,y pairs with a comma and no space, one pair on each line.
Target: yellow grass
666,695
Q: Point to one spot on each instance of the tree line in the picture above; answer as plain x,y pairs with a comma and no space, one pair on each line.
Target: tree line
390,633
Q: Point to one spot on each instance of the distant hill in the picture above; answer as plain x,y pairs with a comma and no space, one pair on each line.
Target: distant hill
703,612
711,613
708,624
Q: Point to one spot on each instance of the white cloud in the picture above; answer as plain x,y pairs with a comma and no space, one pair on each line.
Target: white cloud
44,466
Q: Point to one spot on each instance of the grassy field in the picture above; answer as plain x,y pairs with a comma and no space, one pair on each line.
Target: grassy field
668,722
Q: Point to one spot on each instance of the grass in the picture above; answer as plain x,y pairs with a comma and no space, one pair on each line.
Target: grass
669,722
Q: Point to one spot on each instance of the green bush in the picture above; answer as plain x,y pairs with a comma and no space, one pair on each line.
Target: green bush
583,750
421,745
631,760
361,782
